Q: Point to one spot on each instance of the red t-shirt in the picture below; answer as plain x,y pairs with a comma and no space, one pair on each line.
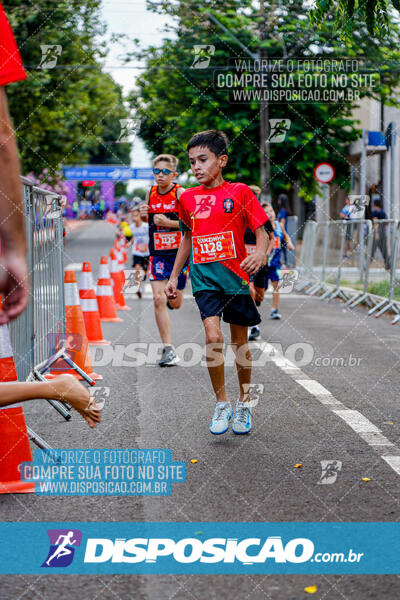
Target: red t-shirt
230,208
11,68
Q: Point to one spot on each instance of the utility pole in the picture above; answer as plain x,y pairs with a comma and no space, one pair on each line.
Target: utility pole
264,112
265,170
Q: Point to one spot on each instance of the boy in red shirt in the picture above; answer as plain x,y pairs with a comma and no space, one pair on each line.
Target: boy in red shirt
213,218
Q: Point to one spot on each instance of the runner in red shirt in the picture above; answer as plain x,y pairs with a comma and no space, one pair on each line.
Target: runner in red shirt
213,218
161,211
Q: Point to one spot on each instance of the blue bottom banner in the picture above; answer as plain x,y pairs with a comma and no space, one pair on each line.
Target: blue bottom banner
200,548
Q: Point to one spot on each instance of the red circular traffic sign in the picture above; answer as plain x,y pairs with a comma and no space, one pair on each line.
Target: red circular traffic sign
324,172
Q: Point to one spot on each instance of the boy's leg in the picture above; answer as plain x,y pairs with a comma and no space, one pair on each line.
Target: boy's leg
275,295
160,310
214,356
243,359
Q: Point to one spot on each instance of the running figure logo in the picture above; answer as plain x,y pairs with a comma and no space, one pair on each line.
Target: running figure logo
287,280
204,204
129,128
203,54
62,547
330,471
50,56
278,129
357,205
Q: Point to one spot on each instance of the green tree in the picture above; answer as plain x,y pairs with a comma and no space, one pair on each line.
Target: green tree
376,14
175,100
66,114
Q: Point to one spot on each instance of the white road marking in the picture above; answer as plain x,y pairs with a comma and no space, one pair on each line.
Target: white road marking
362,426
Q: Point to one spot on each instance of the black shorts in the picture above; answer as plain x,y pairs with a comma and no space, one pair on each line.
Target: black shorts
143,261
238,309
259,278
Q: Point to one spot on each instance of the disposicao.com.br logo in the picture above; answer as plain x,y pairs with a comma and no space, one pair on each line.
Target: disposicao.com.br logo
246,551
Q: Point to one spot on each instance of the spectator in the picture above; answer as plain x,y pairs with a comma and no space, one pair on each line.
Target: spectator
14,278
380,232
345,214
283,213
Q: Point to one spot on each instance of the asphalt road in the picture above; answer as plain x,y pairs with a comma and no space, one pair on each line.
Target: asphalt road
341,406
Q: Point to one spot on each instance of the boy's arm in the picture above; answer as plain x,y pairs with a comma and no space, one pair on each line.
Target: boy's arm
287,239
255,261
181,257
163,220
144,208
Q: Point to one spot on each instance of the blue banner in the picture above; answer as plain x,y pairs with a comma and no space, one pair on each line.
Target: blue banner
106,173
200,548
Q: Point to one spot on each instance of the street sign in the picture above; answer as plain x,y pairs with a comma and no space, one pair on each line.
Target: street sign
324,172
106,173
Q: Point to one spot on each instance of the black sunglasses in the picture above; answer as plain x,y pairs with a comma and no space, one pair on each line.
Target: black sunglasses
163,171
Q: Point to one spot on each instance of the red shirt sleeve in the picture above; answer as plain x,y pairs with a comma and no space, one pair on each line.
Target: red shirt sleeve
182,212
11,68
255,215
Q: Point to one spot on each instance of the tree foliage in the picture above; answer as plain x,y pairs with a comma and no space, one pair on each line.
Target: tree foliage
376,14
175,100
67,114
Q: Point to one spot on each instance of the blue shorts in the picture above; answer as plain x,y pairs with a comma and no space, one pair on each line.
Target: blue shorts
160,268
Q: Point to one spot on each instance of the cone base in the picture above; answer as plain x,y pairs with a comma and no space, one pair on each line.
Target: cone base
17,487
111,320
93,375
99,343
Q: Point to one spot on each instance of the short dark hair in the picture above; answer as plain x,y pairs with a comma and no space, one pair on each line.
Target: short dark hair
213,139
377,202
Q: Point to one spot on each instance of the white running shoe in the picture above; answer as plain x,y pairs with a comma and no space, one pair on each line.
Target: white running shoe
169,358
222,415
243,419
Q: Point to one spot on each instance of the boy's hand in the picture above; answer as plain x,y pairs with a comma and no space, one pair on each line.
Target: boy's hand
253,263
290,245
161,221
144,210
170,288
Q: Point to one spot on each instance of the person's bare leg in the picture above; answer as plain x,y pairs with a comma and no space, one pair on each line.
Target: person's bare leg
161,311
63,388
275,295
139,277
252,290
243,360
215,357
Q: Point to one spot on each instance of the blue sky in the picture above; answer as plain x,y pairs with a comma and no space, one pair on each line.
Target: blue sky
131,18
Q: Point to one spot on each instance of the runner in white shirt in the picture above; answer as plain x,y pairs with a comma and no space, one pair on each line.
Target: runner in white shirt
140,248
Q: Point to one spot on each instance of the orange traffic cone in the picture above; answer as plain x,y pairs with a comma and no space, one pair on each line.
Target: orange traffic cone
14,449
90,307
104,293
121,297
115,277
8,371
77,342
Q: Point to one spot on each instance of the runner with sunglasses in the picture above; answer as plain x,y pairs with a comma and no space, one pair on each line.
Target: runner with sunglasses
161,211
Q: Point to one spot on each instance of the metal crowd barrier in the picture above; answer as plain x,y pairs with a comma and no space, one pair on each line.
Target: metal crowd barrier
33,333
336,254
